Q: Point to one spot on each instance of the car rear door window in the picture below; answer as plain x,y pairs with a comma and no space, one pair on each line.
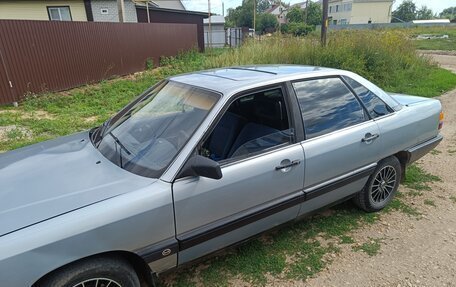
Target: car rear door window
374,105
327,105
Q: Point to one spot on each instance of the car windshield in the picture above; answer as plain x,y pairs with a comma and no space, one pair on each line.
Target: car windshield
145,136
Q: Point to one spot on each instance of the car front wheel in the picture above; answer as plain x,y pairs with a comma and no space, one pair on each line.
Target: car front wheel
95,272
381,186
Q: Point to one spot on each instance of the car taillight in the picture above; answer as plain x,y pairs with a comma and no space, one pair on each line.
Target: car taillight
441,120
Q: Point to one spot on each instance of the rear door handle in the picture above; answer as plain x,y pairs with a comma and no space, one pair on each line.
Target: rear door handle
284,166
369,137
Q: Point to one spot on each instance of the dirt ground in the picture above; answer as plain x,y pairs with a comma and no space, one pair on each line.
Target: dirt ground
414,252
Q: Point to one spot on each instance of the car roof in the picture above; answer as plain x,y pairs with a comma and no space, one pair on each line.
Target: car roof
230,79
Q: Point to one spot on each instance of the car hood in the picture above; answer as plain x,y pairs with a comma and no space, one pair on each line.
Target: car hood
51,178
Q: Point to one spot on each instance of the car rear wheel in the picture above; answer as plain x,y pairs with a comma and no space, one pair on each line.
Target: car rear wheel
381,186
95,272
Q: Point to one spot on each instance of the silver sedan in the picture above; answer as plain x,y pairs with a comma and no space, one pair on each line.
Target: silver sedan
199,162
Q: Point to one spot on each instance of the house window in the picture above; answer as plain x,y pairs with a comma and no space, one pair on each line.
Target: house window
330,9
343,21
61,13
337,8
348,7
104,11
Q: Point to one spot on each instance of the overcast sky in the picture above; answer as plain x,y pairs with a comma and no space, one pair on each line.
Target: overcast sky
216,5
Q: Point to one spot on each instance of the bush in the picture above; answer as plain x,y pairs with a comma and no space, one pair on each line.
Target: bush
299,29
284,28
265,23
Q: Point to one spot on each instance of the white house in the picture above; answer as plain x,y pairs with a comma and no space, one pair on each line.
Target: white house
107,10
279,11
359,11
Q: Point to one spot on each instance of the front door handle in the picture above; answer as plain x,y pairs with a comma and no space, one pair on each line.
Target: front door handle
287,165
369,137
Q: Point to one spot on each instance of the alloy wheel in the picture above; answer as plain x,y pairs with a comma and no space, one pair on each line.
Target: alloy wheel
98,282
383,184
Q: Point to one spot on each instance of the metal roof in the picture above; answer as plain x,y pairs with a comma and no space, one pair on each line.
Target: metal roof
226,80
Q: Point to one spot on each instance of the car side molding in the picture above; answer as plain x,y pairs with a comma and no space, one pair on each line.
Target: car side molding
197,236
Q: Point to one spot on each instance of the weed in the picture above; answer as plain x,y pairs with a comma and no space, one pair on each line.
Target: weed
416,178
453,198
397,204
371,248
429,202
346,239
435,152
414,193
149,64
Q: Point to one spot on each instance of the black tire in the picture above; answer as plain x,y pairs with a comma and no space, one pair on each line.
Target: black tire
379,189
105,269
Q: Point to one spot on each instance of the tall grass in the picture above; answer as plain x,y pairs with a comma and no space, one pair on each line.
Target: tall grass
378,56
387,58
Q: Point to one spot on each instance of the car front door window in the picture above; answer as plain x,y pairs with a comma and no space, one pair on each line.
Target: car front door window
252,124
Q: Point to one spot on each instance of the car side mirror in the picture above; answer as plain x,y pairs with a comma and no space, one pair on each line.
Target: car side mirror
199,165
380,110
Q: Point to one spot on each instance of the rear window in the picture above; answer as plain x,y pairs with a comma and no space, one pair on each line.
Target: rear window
374,105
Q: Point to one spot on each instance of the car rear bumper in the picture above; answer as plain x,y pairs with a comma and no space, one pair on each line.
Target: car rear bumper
420,150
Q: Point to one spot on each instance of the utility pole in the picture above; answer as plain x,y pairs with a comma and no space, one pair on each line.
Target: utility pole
307,11
148,13
121,8
254,18
280,16
324,22
209,36
223,9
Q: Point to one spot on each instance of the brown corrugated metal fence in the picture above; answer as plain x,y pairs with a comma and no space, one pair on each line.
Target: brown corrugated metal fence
39,56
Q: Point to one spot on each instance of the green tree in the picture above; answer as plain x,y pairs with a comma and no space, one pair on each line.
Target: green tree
406,12
295,15
266,23
448,13
314,14
241,16
263,5
424,13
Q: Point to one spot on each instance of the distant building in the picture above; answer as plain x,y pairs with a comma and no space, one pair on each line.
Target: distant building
107,10
79,10
359,11
69,10
279,11
432,21
217,32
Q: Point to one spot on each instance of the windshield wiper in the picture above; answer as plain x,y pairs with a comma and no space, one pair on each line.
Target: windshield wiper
122,147
117,141
106,125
